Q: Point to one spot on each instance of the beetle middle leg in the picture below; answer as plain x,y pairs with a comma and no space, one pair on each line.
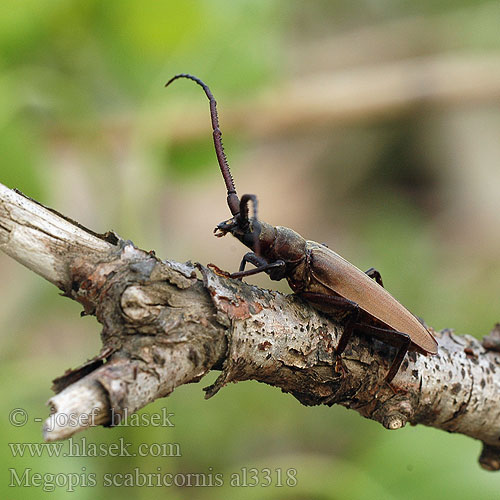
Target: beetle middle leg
333,303
374,274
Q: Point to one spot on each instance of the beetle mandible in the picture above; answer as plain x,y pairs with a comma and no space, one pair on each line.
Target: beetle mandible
314,272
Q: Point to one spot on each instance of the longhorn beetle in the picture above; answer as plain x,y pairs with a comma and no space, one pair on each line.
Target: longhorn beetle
314,272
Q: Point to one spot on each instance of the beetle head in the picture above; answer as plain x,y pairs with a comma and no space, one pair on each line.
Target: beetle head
246,229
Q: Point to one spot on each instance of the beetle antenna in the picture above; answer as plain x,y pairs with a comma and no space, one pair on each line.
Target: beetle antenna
244,218
244,206
232,198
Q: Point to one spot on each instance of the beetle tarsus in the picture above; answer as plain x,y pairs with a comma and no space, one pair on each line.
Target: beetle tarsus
374,274
217,270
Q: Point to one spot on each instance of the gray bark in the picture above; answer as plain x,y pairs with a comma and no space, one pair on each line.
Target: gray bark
166,324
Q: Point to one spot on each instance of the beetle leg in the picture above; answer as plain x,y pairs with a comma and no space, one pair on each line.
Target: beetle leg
331,303
392,337
336,303
276,270
374,274
396,363
254,259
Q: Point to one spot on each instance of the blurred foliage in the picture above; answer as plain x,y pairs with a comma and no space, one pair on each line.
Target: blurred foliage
86,127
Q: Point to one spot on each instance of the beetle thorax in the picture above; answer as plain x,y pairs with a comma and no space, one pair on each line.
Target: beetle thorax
287,245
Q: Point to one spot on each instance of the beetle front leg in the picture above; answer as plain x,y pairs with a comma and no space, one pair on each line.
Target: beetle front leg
374,274
254,259
275,270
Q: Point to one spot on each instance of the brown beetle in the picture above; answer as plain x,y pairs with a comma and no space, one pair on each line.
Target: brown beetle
314,272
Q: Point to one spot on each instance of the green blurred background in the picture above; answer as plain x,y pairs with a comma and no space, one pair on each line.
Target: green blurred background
373,126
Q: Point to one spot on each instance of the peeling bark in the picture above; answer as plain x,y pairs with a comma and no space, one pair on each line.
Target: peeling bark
166,324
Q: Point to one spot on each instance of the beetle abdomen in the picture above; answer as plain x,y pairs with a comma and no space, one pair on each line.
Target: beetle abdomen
331,271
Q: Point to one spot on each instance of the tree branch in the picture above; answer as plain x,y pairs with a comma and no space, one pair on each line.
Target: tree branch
166,324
